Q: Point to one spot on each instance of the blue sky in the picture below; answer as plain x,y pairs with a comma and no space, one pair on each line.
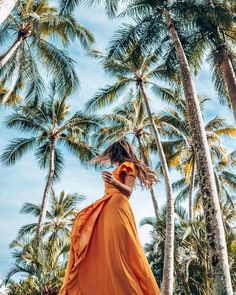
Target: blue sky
25,182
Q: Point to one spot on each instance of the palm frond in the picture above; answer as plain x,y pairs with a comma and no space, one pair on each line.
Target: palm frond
67,6
148,221
183,195
107,95
30,208
58,61
35,85
27,230
15,150
81,149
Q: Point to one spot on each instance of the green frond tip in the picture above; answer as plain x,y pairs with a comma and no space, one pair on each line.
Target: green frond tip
85,36
15,150
148,221
67,6
107,95
30,208
58,61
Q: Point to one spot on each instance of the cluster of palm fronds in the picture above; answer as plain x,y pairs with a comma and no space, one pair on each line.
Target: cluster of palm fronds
43,264
152,61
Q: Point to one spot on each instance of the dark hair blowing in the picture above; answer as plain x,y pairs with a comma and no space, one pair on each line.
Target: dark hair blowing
121,151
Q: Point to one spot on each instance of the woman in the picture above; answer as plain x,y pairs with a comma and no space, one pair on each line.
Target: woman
106,257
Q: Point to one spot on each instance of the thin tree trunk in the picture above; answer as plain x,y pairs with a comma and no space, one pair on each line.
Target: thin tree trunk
11,51
168,270
229,77
213,219
191,191
222,57
6,7
43,211
154,201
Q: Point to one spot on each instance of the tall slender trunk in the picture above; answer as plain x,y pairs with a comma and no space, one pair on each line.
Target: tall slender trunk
168,271
223,58
213,219
191,191
229,76
11,51
154,201
43,211
6,7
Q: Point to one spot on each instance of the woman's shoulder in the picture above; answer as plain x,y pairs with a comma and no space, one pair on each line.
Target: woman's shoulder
128,163
129,167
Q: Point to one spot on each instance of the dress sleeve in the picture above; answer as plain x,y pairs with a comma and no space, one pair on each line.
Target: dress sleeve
128,168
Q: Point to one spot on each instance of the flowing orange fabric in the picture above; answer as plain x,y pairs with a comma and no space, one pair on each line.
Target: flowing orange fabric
106,256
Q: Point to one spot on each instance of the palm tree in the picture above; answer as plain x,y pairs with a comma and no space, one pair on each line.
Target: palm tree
179,149
192,271
59,217
184,253
21,287
129,119
50,125
157,24
141,72
44,267
215,26
33,28
6,7
226,184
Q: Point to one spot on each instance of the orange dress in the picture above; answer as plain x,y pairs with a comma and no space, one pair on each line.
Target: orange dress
106,256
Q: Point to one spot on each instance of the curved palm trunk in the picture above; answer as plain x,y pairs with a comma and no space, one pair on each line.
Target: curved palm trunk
6,7
154,201
213,219
11,51
229,77
168,271
225,64
191,191
46,191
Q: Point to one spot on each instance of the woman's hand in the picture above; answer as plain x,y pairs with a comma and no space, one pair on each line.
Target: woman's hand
125,188
108,177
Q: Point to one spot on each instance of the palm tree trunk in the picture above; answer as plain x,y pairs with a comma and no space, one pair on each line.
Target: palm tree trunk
213,219
191,191
154,201
11,51
43,211
222,57
168,270
229,77
6,7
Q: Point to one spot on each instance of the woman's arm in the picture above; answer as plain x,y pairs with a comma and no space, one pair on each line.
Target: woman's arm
125,188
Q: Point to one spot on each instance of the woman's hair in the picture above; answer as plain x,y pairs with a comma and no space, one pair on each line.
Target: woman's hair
121,151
